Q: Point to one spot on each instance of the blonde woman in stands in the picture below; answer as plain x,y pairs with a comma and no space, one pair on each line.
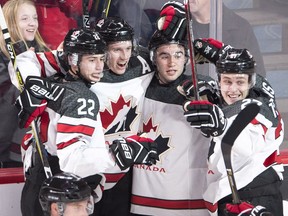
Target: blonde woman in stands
21,18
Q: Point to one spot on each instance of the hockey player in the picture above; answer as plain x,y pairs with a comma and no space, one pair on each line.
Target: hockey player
120,103
71,128
254,151
121,92
66,194
174,186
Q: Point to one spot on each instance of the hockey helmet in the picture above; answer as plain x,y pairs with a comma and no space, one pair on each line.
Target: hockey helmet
237,61
64,188
114,29
159,38
84,41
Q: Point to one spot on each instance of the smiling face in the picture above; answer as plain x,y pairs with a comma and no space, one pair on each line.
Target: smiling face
119,54
170,61
27,21
91,67
234,87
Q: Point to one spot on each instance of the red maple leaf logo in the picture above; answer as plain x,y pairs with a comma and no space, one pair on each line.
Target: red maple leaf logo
149,126
108,116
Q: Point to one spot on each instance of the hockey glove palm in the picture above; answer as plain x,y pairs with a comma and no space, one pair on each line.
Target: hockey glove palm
205,116
207,90
209,49
172,20
245,209
134,150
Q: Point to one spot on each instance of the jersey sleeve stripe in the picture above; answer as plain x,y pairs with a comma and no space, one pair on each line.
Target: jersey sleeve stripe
52,61
113,178
65,144
81,129
172,204
41,62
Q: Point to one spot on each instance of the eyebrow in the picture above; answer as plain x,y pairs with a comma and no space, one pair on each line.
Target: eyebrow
167,53
227,77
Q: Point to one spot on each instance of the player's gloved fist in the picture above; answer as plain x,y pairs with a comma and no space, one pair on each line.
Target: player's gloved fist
205,116
172,20
43,89
134,150
207,90
209,49
245,209
30,108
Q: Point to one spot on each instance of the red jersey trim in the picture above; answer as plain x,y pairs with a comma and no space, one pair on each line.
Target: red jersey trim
41,62
65,144
172,204
82,129
113,178
52,61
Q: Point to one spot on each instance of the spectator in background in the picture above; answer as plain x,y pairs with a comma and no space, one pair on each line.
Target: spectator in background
57,17
145,14
233,34
142,16
22,23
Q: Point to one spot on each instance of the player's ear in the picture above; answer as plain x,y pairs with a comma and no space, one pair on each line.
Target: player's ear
54,209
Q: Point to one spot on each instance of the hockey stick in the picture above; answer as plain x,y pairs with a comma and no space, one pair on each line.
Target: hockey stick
191,49
240,122
39,144
85,16
106,8
99,6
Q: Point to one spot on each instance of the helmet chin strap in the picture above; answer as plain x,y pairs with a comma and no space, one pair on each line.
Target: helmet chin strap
61,208
76,74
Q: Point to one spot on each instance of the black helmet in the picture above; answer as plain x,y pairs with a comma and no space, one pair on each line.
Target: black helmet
159,38
84,41
236,61
114,29
63,188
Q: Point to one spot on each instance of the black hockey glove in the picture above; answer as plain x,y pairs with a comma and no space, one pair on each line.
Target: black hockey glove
134,150
205,116
246,209
208,90
172,20
209,49
43,89
30,108
33,100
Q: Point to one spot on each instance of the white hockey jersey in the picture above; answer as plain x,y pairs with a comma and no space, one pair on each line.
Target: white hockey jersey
71,127
255,149
121,99
175,185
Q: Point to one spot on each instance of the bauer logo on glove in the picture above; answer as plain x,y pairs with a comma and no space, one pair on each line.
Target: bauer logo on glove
43,89
134,150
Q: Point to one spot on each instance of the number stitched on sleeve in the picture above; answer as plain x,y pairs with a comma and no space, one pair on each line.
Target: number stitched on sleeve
86,107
